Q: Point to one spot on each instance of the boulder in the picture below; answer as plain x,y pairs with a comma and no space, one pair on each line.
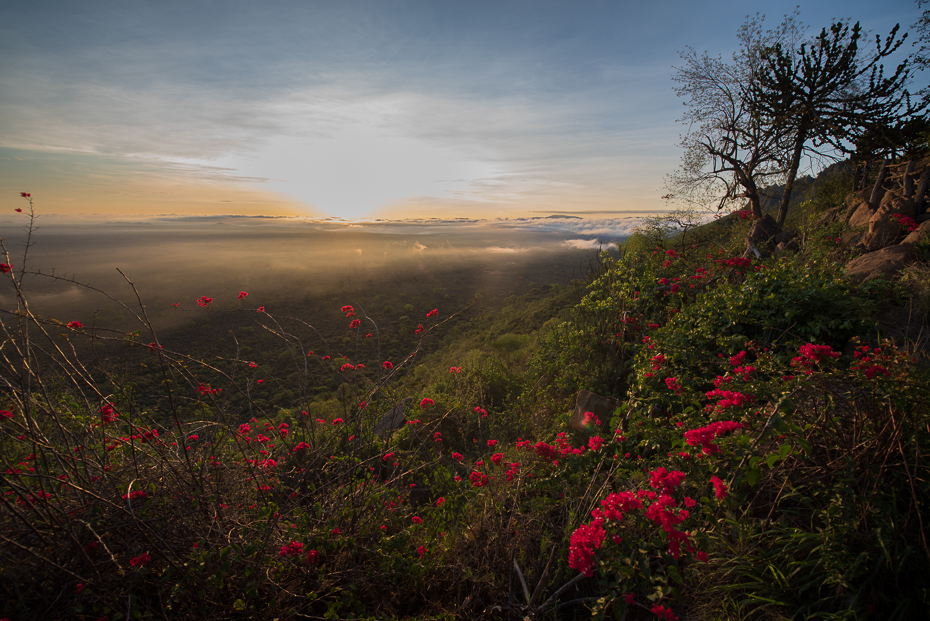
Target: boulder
787,246
885,262
860,216
829,216
892,202
762,233
882,233
851,238
393,419
601,407
914,236
856,198
884,227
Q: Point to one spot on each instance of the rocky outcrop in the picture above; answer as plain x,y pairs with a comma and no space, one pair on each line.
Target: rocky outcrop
922,232
885,262
879,220
762,235
601,407
393,419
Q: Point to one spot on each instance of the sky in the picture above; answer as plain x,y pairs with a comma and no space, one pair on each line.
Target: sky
359,109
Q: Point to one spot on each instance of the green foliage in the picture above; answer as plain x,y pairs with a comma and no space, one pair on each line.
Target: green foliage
766,460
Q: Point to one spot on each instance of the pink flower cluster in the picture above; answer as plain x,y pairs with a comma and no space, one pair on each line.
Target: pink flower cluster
813,354
906,221
662,511
865,362
730,398
737,262
294,548
704,436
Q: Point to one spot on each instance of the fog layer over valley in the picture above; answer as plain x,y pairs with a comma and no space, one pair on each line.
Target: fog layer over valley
286,262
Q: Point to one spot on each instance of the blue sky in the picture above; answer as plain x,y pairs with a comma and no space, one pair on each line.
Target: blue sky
359,109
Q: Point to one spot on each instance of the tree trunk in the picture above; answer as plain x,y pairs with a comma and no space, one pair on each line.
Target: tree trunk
909,180
876,190
789,182
922,189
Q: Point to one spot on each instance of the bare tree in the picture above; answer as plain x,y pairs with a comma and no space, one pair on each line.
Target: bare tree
730,150
826,94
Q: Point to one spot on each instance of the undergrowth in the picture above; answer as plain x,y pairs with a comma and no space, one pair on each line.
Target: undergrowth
766,461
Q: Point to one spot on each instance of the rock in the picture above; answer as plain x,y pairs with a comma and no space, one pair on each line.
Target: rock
884,227
854,199
914,236
895,203
885,262
829,216
861,215
882,233
762,233
393,419
787,246
851,238
601,407
784,236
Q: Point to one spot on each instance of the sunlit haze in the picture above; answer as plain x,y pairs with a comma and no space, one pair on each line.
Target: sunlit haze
358,109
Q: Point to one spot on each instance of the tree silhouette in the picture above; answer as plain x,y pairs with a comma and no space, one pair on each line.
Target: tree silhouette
826,95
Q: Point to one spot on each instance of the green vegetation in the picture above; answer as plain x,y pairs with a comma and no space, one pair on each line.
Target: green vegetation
766,460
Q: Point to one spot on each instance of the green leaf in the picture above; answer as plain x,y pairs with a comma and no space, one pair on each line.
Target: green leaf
753,476
772,459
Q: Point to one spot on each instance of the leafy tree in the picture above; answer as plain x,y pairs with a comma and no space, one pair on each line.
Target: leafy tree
827,94
729,149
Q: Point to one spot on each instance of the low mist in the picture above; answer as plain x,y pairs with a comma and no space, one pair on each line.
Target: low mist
281,261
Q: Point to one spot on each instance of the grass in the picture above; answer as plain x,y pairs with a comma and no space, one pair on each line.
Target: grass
766,461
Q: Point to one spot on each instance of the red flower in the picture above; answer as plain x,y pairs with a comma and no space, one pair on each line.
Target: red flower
141,561
478,479
75,325
433,313
388,365
261,381
107,415
439,501
260,309
416,520
294,548
346,309
204,301
242,294
720,488
25,195
336,421
6,414
355,323
18,210
426,402
4,268
422,551
312,557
